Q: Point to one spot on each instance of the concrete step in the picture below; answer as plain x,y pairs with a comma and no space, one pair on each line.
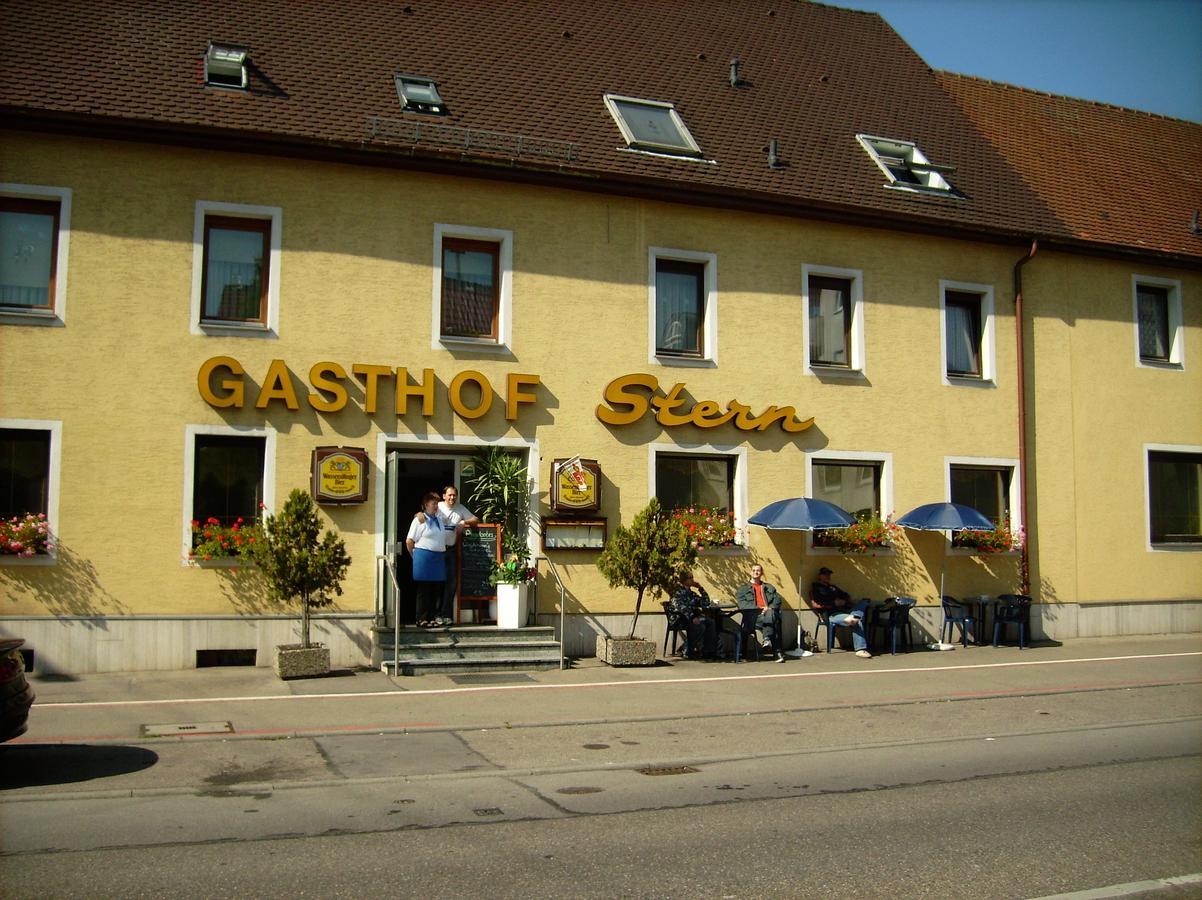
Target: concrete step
480,651
477,634
410,666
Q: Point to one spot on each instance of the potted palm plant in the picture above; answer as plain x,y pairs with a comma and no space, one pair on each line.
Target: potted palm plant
498,486
300,567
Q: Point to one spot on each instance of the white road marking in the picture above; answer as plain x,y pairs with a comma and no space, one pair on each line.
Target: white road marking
1132,887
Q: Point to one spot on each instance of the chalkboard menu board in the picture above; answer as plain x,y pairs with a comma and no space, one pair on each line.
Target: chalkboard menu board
479,549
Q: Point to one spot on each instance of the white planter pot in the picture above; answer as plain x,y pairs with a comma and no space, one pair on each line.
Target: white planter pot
511,605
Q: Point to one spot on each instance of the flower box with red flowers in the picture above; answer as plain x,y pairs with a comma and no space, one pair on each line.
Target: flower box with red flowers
708,527
213,540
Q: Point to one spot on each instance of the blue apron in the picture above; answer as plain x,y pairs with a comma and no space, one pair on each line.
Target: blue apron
430,565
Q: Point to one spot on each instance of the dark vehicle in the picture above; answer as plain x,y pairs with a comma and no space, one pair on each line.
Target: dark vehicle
16,696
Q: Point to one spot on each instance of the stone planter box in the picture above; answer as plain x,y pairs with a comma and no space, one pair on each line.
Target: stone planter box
296,661
625,651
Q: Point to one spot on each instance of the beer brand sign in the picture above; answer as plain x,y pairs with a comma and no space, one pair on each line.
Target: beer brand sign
339,475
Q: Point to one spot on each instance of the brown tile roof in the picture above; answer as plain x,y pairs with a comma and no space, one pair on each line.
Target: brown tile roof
815,76
1112,175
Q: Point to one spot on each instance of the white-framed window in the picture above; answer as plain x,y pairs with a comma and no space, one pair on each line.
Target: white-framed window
473,287
652,126
701,476
966,333
35,236
1159,330
1173,496
906,167
861,482
987,484
833,320
30,462
228,472
682,307
236,269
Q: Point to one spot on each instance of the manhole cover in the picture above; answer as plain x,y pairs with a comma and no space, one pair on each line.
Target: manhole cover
187,728
667,770
517,678
580,790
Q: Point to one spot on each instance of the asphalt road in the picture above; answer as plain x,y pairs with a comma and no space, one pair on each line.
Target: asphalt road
1007,781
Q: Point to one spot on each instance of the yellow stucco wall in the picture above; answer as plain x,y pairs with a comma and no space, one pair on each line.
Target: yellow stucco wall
355,287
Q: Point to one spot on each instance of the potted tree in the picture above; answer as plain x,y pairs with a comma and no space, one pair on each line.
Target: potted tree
651,555
299,567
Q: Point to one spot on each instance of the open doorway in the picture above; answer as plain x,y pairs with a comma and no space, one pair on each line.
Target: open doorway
410,477
411,472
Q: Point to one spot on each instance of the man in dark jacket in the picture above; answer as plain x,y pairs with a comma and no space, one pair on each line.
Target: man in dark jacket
759,595
689,609
837,604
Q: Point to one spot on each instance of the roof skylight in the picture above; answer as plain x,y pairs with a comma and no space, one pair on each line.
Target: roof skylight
225,65
419,95
651,125
905,164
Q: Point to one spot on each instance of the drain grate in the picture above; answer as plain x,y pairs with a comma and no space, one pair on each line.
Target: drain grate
667,770
580,790
175,730
489,811
497,678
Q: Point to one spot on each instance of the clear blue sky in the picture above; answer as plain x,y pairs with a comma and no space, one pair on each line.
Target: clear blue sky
1144,54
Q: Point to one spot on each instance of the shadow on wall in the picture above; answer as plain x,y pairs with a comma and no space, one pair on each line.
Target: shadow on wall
893,575
246,592
70,587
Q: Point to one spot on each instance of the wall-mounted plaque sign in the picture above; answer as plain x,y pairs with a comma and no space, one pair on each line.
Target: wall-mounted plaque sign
575,485
339,475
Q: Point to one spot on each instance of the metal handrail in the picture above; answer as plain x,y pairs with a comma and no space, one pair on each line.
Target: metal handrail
562,603
396,609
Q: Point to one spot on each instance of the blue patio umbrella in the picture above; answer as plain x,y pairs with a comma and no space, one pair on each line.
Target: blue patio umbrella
802,514
945,517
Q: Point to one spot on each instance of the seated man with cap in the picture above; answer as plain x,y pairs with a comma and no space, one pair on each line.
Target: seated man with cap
836,604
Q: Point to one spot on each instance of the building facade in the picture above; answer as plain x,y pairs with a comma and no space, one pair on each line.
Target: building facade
227,257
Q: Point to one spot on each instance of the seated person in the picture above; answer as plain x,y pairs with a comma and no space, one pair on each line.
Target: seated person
758,594
837,605
688,609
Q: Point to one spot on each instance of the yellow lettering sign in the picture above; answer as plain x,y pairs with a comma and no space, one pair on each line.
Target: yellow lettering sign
631,397
322,376
277,385
456,394
235,391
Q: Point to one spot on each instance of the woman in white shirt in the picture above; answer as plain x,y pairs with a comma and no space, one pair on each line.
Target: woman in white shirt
428,545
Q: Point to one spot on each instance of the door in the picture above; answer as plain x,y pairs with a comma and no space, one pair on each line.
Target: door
409,477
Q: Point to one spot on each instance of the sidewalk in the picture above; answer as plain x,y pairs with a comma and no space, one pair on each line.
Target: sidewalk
236,683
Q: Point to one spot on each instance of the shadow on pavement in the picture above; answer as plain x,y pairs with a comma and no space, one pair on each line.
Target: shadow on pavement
30,765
